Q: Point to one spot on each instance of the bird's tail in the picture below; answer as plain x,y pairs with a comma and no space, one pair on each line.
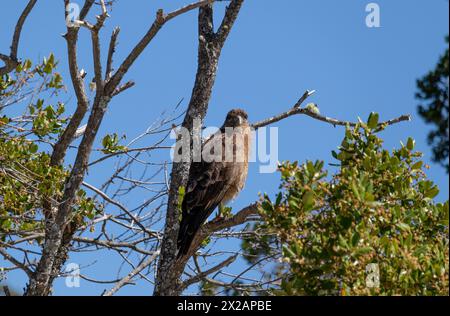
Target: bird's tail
184,243
188,229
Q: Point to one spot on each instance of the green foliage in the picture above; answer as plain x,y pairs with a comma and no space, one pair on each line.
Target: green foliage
377,209
433,93
47,119
258,244
111,144
28,182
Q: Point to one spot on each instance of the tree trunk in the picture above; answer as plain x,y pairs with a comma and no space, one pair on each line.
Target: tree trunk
209,50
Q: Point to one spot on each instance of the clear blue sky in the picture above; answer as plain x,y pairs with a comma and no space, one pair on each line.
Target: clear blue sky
276,51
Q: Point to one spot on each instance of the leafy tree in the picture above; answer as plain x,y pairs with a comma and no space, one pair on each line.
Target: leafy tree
377,209
433,93
27,179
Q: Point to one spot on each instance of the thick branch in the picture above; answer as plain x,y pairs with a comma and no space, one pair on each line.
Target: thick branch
60,148
230,17
223,223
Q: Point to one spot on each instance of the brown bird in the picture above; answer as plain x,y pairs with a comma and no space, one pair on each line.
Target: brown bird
217,178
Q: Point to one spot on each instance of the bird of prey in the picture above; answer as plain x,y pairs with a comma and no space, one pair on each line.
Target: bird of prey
217,178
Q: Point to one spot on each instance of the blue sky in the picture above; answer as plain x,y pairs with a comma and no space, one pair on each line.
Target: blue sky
276,51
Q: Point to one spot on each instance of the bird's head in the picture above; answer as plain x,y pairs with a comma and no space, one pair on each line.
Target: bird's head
235,118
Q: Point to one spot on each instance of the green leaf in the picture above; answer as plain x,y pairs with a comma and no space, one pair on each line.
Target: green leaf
410,144
433,192
363,251
417,165
308,199
404,227
342,242
372,122
34,148
48,68
355,239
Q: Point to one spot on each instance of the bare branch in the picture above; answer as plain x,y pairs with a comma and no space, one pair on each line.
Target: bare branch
298,110
112,244
239,218
11,61
187,8
96,47
86,8
230,17
132,274
127,152
160,20
123,87
218,224
111,51
203,275
119,205
77,77
16,262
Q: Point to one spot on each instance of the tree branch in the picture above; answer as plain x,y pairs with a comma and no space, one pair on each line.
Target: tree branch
16,262
111,51
123,87
298,110
224,223
12,61
77,77
203,275
119,205
160,20
230,17
132,274
217,224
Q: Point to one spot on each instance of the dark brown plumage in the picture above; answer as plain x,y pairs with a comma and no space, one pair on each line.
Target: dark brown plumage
215,182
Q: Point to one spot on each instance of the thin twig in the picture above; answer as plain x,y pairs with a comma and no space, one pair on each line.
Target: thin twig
16,262
204,274
132,274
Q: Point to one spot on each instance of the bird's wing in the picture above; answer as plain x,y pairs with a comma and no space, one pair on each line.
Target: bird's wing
209,181
207,186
